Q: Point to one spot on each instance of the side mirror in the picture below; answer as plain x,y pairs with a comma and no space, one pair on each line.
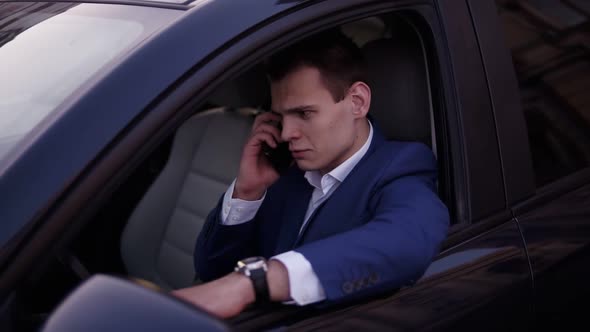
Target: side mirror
106,303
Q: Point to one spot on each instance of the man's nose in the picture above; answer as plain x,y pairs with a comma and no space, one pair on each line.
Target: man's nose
289,131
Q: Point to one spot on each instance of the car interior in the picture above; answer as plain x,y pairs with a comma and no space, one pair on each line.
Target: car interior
148,228
158,241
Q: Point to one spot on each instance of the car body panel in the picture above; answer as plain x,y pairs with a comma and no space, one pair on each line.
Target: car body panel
557,232
482,279
555,217
508,117
478,138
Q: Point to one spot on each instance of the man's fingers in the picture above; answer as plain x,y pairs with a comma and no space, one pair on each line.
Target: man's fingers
269,129
266,118
265,137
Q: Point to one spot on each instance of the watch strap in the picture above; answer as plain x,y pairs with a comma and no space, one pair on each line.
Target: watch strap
258,277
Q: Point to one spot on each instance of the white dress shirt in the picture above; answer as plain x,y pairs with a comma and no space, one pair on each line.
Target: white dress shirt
305,287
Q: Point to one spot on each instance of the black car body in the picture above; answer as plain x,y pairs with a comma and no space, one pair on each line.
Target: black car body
510,124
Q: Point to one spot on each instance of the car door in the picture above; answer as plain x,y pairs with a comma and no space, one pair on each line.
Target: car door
544,130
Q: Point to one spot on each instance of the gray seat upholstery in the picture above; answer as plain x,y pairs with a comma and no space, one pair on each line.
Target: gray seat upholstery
397,75
158,241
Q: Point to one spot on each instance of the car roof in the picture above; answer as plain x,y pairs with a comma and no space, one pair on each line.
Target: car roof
169,4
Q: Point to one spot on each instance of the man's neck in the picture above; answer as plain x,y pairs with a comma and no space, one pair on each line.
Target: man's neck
363,135
363,131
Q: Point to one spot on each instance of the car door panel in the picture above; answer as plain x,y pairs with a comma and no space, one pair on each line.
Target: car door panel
554,217
557,232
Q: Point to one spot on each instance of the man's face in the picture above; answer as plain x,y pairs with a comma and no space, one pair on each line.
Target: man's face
321,132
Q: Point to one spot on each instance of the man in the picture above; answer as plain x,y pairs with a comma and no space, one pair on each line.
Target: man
354,216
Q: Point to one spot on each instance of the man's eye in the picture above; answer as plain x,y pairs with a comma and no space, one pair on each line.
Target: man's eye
305,114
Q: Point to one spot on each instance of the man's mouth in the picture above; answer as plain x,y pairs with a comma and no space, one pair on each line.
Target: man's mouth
298,154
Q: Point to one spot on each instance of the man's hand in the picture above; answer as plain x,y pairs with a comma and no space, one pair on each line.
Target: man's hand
224,297
230,295
256,173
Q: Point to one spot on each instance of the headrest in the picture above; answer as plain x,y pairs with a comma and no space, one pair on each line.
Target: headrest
400,101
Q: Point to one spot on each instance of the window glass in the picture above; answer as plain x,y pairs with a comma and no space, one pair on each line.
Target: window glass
47,51
550,45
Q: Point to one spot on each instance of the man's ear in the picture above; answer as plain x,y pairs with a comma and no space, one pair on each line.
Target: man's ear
360,95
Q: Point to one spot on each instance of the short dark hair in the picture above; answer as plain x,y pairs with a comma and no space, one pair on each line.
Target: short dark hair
338,59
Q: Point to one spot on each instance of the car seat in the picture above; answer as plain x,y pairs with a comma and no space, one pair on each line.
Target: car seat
158,241
398,77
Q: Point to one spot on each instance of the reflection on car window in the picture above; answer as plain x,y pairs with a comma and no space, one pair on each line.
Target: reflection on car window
49,50
551,54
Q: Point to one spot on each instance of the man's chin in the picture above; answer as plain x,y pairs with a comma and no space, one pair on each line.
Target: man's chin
305,165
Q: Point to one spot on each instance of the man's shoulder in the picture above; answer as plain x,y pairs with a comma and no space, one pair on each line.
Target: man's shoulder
391,160
403,152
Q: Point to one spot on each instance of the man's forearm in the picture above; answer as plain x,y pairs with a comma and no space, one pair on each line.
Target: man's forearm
276,277
230,295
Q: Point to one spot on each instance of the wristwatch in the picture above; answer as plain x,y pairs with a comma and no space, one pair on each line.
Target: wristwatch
255,268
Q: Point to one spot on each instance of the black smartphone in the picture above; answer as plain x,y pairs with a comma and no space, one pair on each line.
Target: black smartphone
280,157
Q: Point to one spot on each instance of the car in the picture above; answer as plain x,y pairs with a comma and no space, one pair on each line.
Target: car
121,124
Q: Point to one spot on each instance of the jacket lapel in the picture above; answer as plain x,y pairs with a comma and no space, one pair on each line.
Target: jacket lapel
297,202
336,213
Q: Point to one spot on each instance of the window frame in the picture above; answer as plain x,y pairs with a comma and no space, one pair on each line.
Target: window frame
193,86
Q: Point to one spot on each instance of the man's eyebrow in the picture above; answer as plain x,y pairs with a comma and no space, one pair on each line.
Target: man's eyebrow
297,109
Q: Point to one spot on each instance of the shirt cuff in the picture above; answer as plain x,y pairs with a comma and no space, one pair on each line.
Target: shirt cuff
305,287
237,211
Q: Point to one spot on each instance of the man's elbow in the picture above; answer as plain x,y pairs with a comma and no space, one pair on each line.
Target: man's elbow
433,236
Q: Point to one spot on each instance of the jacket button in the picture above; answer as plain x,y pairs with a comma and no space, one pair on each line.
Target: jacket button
347,287
360,284
366,282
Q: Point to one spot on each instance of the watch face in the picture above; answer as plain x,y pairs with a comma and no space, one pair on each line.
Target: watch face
255,268
251,263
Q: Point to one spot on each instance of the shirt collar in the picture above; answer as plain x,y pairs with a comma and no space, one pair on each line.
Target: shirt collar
341,171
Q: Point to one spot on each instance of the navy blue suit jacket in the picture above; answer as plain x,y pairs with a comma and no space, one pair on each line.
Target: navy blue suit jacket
378,231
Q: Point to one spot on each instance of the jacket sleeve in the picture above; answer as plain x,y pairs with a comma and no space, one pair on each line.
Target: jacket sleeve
394,248
219,247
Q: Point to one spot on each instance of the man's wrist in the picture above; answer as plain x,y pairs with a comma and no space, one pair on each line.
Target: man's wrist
247,194
278,284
